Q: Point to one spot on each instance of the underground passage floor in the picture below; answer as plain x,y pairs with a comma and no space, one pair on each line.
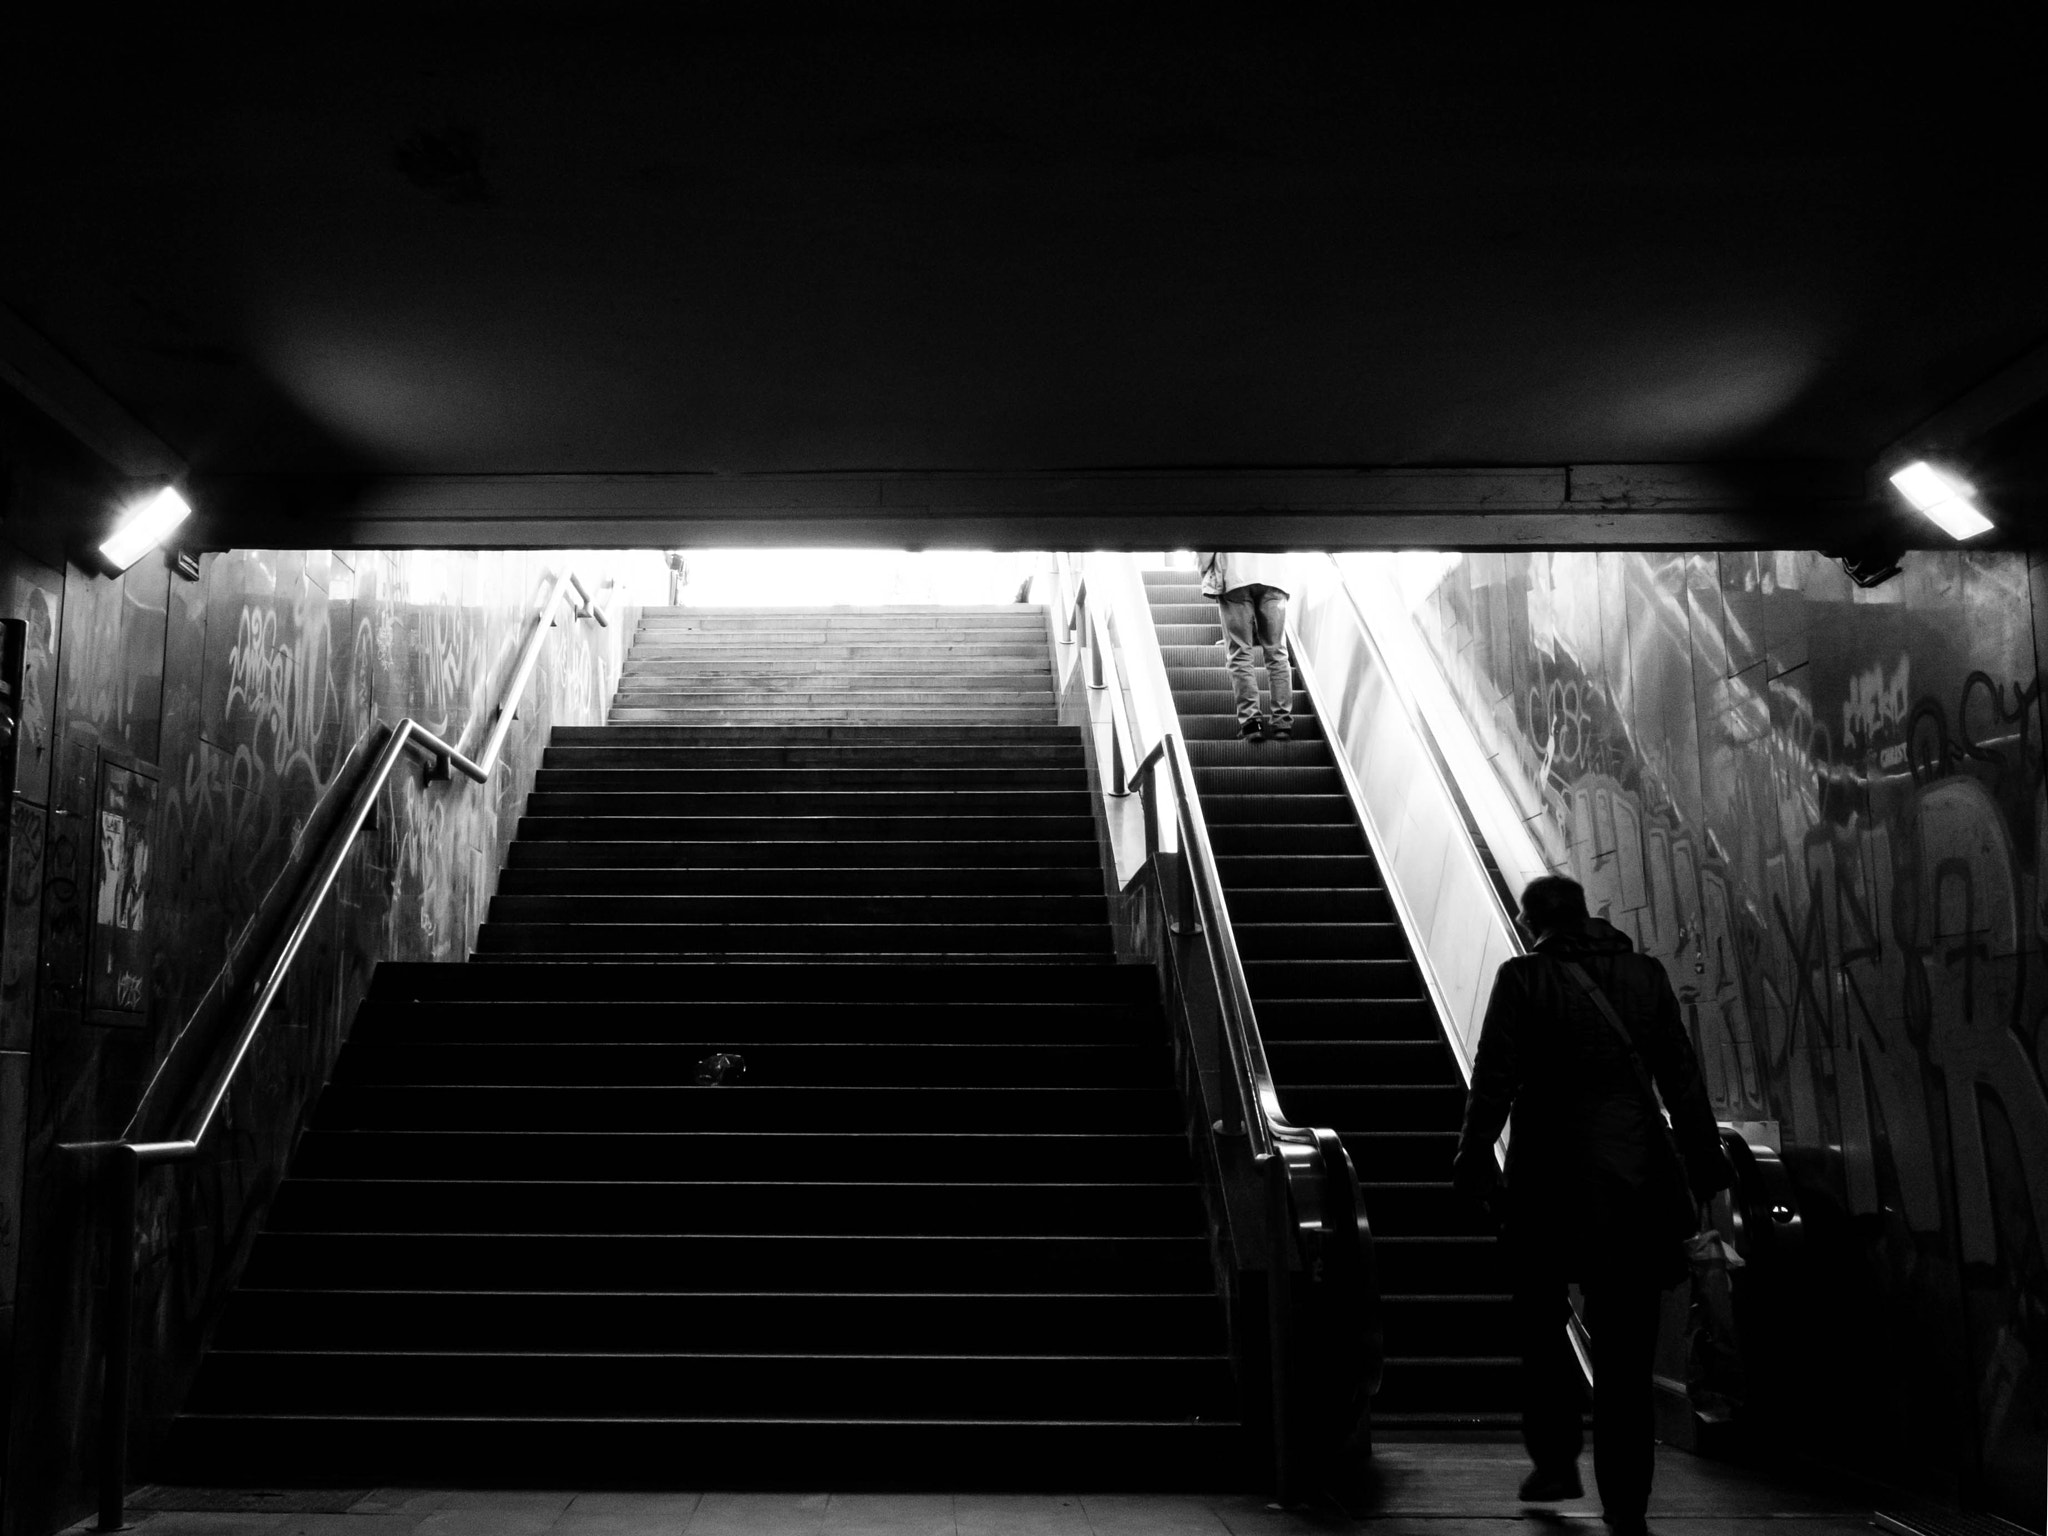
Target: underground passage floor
1421,1489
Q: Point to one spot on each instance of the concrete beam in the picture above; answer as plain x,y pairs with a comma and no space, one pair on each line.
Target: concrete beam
2019,385
1603,506
61,390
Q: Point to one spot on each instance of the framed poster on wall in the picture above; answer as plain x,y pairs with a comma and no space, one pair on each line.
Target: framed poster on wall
124,832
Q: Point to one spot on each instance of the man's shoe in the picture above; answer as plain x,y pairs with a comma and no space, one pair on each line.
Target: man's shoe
1251,730
1280,730
1541,1487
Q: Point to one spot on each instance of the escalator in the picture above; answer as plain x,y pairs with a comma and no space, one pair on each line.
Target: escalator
1351,1032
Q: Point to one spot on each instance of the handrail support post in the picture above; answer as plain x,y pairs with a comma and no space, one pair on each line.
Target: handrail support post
123,1174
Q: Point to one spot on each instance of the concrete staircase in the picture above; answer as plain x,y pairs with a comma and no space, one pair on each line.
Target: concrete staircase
943,1232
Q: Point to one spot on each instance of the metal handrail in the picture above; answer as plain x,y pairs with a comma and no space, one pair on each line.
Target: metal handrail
131,1155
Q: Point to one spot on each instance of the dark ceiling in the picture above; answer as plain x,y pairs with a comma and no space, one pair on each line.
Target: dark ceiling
575,239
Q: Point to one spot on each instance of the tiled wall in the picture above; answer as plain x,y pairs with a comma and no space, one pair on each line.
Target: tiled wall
255,694
1822,808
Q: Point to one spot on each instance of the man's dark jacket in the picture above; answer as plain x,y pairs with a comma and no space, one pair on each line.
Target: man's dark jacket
1589,1173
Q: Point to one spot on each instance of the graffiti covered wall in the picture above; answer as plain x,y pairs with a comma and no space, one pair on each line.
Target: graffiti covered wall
251,698
1822,808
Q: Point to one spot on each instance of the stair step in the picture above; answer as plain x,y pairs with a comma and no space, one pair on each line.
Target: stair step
1376,1106
803,881
930,687
767,750
597,980
1359,1061
678,1450
961,736
1106,1032
1050,1323
689,646
622,1204
629,1106
938,937
1401,1156
851,853
1364,1019
845,826
533,1384
1255,904
1327,978
1220,726
613,777
1313,940
756,717
835,909
1017,804
969,1157
699,1261
824,1064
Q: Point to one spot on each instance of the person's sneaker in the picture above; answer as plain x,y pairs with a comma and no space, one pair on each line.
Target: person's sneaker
1251,730
1280,730
1541,1487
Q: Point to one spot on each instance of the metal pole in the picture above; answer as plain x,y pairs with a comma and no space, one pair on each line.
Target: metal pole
123,1172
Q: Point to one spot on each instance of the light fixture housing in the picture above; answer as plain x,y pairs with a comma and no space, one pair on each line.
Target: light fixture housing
144,525
1944,499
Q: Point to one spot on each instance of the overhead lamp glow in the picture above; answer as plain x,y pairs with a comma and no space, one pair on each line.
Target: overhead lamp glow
144,526
1942,498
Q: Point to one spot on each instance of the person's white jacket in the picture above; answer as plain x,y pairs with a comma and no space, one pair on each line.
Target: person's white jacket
1223,572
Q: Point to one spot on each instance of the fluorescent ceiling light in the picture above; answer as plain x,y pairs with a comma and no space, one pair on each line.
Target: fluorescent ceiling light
144,526
1942,498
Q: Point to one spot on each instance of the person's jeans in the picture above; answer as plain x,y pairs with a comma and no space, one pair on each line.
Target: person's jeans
1622,1312
1257,615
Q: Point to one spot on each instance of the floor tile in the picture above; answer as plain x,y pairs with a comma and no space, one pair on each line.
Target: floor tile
626,1514
1019,1514
759,1514
889,1514
400,1501
551,1501
489,1520
353,1524
1138,1514
187,1522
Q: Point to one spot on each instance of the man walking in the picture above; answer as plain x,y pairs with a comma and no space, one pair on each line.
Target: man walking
1251,596
1599,1190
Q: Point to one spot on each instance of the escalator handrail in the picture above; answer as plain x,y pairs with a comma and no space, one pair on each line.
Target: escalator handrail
1268,1126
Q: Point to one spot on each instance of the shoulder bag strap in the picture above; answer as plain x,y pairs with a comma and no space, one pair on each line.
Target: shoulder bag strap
1592,989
